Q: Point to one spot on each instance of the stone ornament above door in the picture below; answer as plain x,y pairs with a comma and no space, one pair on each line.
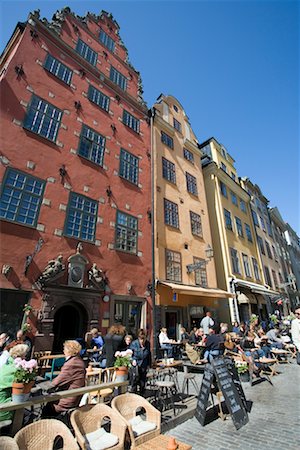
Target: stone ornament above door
77,268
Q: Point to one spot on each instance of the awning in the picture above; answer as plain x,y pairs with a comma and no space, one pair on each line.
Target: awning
243,298
255,288
196,290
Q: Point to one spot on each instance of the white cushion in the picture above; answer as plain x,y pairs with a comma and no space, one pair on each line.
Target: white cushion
100,440
140,426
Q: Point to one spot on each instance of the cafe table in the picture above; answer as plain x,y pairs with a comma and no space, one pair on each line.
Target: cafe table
161,442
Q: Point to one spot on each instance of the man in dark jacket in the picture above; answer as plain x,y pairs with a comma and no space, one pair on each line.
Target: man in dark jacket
214,345
141,360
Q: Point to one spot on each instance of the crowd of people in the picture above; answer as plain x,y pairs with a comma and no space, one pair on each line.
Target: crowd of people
201,344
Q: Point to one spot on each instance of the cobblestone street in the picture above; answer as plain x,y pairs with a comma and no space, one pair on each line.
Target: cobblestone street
274,420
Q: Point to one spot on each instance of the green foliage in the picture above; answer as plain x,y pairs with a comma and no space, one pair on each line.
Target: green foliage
122,361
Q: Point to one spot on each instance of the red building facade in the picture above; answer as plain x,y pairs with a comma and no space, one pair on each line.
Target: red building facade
75,171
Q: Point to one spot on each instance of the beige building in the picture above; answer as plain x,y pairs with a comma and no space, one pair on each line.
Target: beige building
237,259
186,284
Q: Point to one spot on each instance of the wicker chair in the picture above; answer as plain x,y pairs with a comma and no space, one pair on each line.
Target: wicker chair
41,435
88,419
127,405
8,443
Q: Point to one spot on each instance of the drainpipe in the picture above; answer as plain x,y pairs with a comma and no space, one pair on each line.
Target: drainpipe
152,115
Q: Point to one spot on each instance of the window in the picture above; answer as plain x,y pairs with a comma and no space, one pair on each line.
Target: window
223,167
175,108
239,227
228,221
21,197
261,245
189,156
269,228
86,52
168,170
58,69
248,232
275,253
246,266
235,262
131,121
117,78
223,189
275,278
91,145
200,274
177,125
267,275
262,222
126,233
280,278
255,218
255,269
233,176
98,98
243,206
167,140
43,118
196,224
171,213
107,41
269,250
191,184
129,166
81,217
224,153
173,266
234,198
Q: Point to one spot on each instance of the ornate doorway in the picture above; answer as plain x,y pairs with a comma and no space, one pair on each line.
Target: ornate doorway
70,322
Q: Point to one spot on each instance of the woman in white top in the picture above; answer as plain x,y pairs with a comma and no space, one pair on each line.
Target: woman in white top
165,342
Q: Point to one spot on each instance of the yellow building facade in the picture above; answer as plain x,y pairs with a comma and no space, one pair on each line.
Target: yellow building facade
237,258
186,284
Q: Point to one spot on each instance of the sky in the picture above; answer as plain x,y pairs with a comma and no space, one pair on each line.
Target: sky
234,67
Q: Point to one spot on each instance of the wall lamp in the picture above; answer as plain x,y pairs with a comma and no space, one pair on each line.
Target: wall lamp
149,214
19,70
114,128
118,98
209,251
62,172
105,55
81,73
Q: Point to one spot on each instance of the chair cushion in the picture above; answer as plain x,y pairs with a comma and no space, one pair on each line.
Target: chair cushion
140,426
100,440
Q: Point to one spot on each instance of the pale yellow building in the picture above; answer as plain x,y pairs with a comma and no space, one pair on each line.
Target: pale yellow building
237,258
186,284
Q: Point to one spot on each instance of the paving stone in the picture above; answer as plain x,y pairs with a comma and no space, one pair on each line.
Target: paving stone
273,420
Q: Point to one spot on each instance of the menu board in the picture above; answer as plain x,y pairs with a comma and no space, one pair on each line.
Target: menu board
236,379
234,403
202,403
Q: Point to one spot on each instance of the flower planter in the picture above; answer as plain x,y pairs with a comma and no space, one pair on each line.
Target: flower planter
21,391
245,377
121,373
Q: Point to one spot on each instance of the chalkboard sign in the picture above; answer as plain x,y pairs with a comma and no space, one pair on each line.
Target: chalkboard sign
202,403
236,379
230,393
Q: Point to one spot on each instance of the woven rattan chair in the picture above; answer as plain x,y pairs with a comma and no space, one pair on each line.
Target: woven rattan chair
8,443
41,435
88,419
127,405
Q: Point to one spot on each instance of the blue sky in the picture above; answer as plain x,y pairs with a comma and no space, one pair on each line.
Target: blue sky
234,66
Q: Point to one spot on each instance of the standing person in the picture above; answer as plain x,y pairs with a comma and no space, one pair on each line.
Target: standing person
71,376
295,332
141,359
97,343
128,340
114,342
4,340
207,322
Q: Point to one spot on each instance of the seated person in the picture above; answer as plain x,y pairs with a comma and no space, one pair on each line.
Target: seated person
96,344
274,339
249,347
71,376
165,342
229,344
214,345
235,327
184,336
7,373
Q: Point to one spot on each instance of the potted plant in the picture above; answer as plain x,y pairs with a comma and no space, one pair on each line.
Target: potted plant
23,379
242,369
122,364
